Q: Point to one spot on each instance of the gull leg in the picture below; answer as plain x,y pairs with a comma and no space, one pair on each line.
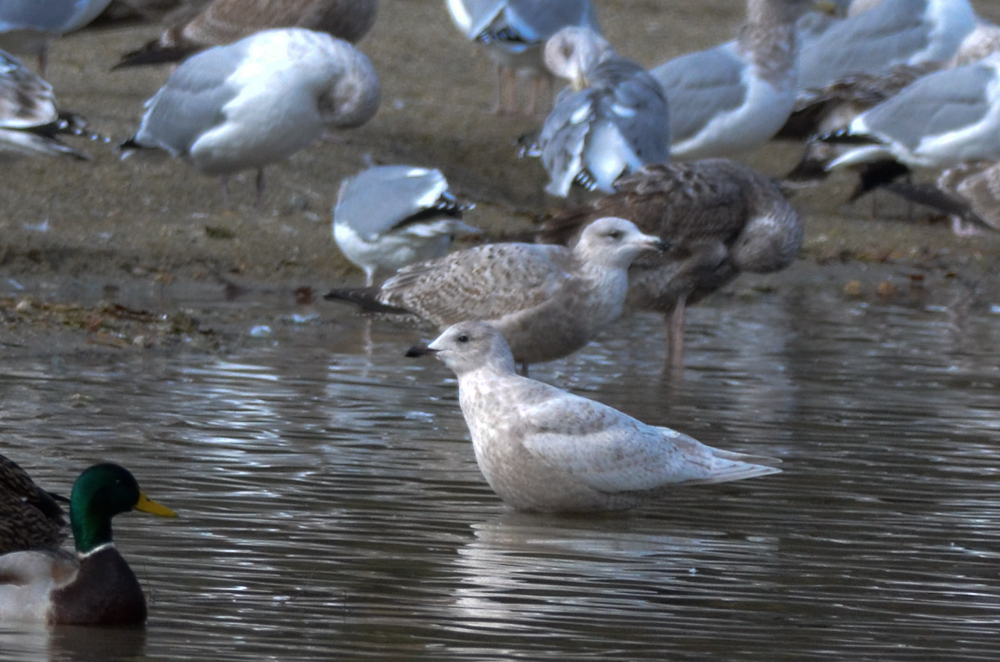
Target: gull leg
675,335
522,368
224,184
260,189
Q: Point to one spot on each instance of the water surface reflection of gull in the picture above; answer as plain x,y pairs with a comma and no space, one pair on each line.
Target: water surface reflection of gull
27,26
735,96
225,21
387,217
258,101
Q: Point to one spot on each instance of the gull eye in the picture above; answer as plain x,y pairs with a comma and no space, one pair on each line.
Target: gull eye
616,234
463,337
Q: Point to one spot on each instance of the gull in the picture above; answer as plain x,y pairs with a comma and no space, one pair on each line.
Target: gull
548,301
225,21
611,120
387,217
948,117
969,193
258,101
720,218
513,33
30,120
543,449
736,96
27,26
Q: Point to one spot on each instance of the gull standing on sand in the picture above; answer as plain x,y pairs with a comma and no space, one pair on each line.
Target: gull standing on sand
543,449
548,301
387,217
30,120
736,96
27,26
225,21
611,120
258,101
720,218
943,119
514,32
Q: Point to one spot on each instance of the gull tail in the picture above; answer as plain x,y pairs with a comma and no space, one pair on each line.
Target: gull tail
728,466
366,299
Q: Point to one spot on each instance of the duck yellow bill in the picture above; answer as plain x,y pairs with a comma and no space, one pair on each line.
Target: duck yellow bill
147,505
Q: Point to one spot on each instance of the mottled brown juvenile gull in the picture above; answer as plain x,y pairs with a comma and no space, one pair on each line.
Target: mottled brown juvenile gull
27,26
719,217
225,21
736,96
548,301
387,217
258,101
513,33
30,120
543,449
611,120
891,33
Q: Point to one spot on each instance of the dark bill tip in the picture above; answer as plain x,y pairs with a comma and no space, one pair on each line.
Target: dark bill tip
420,350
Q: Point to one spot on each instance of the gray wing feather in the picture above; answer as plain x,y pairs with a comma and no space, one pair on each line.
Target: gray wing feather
376,200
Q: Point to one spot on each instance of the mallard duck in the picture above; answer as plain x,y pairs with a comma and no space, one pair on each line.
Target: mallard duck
29,516
94,587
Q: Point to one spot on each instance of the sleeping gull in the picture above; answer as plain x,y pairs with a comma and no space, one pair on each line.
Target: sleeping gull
30,121
514,32
225,21
390,216
258,101
543,449
719,217
945,118
891,33
548,301
612,119
736,96
27,26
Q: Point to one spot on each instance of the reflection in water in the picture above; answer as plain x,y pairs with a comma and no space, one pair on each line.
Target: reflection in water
330,504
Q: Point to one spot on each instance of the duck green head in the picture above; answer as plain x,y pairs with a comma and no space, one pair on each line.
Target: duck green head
100,493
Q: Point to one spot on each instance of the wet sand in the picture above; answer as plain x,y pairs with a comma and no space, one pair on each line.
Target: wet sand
139,222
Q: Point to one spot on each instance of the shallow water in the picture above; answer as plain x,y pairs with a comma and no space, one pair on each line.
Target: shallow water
330,505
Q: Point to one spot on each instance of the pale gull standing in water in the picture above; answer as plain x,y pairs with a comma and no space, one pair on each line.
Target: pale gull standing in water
736,96
513,33
943,119
611,120
30,120
543,449
387,217
225,21
548,301
719,217
27,26
258,101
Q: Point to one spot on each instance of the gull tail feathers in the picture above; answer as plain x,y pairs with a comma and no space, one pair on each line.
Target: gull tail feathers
728,466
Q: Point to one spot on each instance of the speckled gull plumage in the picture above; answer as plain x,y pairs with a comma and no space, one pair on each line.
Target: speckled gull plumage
225,21
513,32
258,101
720,218
27,26
945,118
611,120
969,193
387,217
30,120
736,96
543,449
891,33
548,301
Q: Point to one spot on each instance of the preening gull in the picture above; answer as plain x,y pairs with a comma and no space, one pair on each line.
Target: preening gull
513,33
30,120
387,217
736,96
95,587
945,118
891,33
548,301
720,218
225,21
258,101
612,119
27,26
543,449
